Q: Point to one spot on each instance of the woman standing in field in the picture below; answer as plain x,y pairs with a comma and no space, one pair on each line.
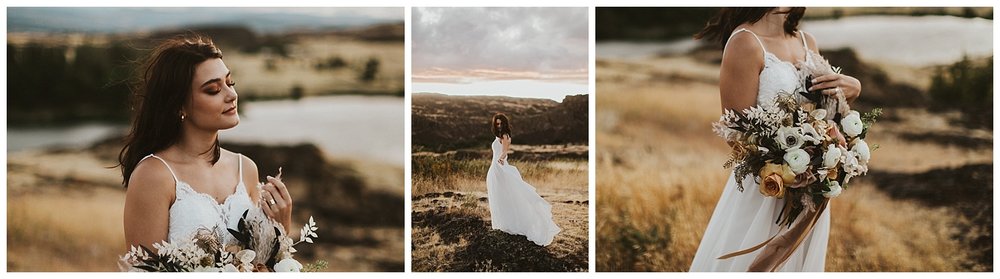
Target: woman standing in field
762,57
515,206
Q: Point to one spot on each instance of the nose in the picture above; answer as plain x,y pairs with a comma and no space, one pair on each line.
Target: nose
231,94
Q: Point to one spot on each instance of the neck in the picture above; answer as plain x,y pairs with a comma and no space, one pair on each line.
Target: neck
771,25
196,143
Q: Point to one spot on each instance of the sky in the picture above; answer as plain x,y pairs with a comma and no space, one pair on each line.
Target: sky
519,52
129,19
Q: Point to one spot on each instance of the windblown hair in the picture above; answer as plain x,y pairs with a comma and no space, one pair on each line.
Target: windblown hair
726,20
504,128
162,87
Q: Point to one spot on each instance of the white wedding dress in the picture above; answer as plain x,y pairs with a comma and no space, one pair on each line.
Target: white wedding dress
515,206
744,219
192,211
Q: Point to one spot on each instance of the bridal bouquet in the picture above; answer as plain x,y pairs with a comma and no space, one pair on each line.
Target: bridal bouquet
802,147
262,246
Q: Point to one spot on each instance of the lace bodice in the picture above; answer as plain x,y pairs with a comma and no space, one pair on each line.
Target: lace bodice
778,76
497,149
193,210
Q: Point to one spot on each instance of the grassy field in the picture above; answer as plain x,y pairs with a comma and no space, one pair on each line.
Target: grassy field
451,218
64,213
660,175
272,76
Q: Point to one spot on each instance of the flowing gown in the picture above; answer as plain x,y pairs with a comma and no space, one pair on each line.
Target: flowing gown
515,206
744,219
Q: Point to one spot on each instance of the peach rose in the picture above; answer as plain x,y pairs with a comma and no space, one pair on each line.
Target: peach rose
835,134
773,178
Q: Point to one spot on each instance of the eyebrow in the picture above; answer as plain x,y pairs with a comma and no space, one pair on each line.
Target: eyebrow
215,79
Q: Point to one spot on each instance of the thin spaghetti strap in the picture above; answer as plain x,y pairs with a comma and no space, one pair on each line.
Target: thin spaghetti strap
803,35
165,164
241,166
751,33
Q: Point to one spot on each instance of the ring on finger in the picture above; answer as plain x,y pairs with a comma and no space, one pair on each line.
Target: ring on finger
272,202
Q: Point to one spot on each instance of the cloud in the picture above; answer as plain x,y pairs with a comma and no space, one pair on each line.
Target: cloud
467,44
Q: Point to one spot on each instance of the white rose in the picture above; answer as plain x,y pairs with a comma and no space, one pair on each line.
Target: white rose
797,160
230,268
246,256
861,148
852,166
789,137
835,190
809,133
832,156
288,265
852,124
818,114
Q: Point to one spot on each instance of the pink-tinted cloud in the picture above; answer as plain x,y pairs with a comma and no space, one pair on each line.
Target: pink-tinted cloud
461,45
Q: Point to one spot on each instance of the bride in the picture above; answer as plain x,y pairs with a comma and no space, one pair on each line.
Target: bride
178,180
515,206
762,48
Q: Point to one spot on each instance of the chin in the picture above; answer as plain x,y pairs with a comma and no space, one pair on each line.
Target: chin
230,123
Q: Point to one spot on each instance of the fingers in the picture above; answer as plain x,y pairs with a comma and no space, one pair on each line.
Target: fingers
825,78
266,205
831,91
275,199
282,190
826,81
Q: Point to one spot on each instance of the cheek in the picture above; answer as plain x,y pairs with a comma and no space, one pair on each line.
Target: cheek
204,104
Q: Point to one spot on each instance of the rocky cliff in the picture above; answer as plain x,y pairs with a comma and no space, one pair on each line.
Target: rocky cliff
442,122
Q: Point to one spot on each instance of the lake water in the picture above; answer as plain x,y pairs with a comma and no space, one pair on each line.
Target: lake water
903,40
353,127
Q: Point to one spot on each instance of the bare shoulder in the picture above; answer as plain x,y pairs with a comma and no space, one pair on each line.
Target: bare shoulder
250,176
249,169
151,179
810,41
742,46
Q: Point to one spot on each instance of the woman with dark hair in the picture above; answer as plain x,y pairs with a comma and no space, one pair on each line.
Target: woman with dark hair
762,57
515,206
178,179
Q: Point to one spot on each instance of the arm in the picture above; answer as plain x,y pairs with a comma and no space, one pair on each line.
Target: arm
739,75
505,141
148,199
850,85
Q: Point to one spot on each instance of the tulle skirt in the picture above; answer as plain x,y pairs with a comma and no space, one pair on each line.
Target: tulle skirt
515,206
744,219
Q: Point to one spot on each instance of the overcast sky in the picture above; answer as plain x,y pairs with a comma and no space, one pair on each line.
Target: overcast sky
525,52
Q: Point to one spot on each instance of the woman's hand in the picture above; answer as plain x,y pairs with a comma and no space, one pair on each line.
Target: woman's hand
831,83
277,202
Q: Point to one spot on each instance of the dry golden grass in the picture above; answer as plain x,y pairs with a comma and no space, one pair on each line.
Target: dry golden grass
64,213
74,230
55,228
254,77
459,199
660,175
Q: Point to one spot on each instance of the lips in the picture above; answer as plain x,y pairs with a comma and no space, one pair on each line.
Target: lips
230,110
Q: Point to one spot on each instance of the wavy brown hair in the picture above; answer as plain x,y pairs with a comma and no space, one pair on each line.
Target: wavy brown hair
720,26
504,125
161,88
